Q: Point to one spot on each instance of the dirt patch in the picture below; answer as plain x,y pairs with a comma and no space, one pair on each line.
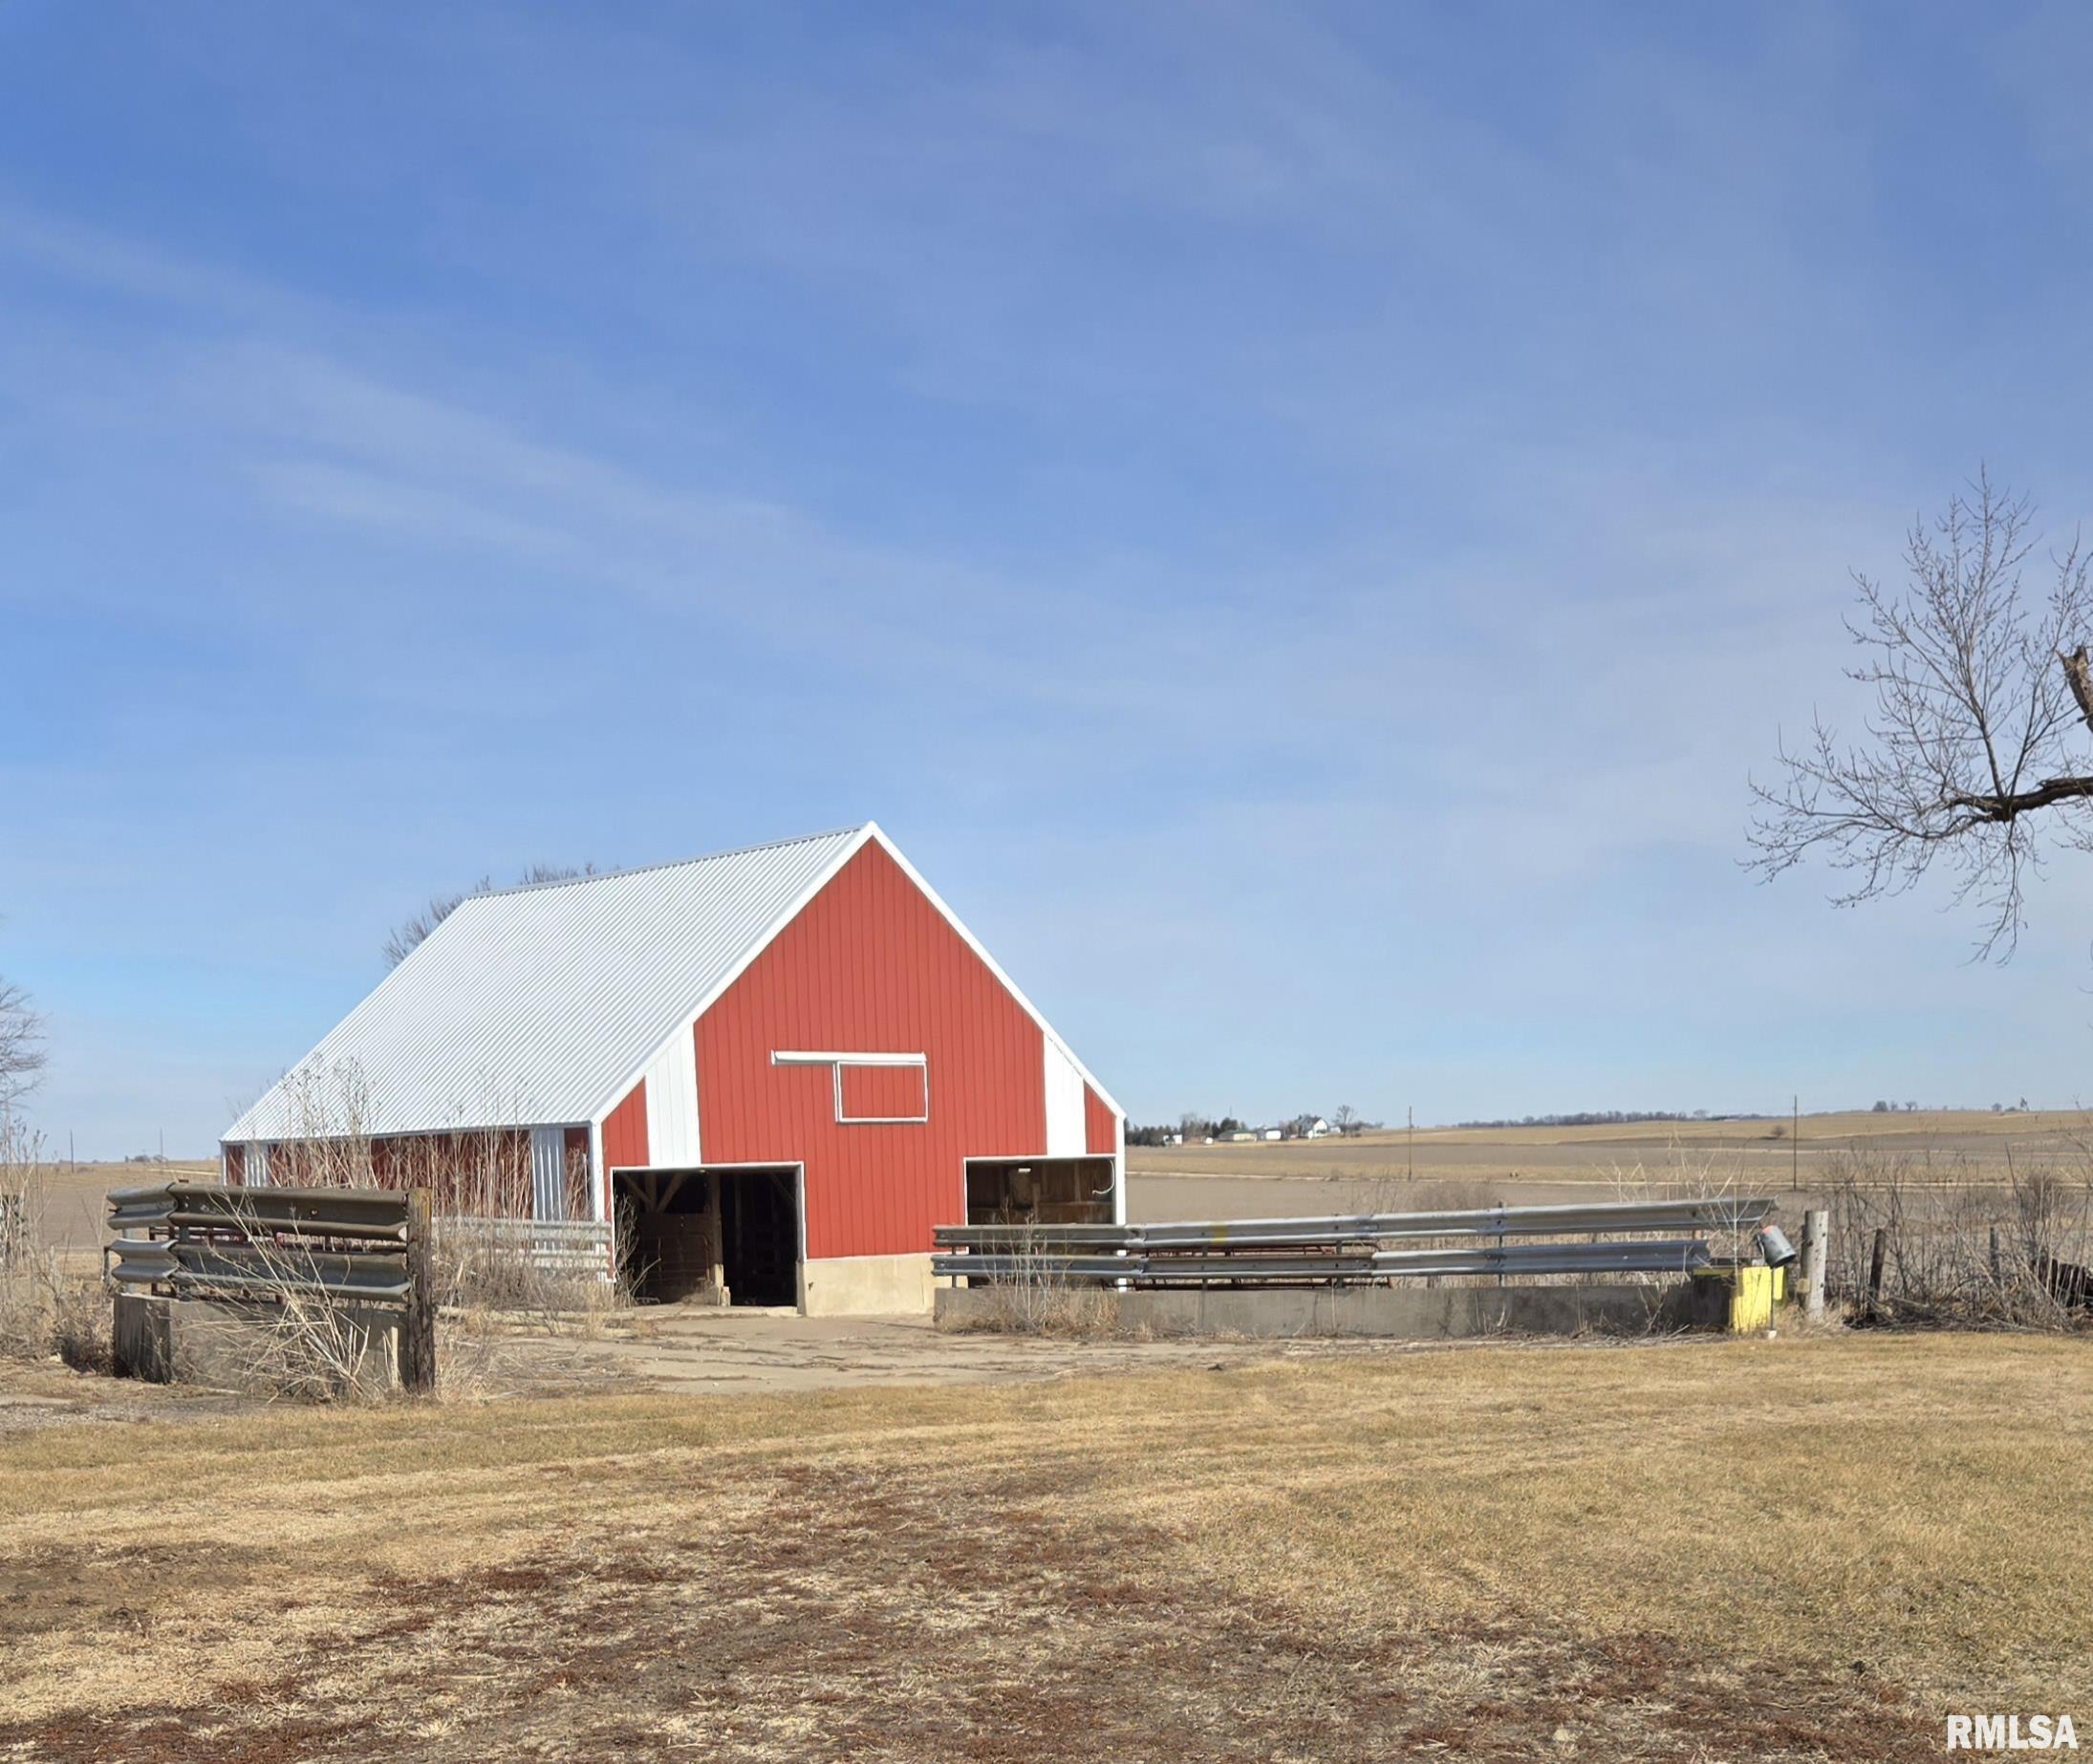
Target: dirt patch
46,1393
826,1614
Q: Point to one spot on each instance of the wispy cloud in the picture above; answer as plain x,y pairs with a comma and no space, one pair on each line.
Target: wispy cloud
1300,520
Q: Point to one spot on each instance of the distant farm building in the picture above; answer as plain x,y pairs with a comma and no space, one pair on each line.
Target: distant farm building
773,1070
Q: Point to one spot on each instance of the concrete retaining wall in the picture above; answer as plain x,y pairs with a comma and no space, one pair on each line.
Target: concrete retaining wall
1403,1313
865,1285
201,1342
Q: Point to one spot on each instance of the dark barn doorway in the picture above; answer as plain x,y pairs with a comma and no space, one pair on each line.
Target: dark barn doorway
759,1216
718,1236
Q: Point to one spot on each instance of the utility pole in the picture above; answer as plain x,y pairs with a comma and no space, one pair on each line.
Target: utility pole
1409,1143
1795,1144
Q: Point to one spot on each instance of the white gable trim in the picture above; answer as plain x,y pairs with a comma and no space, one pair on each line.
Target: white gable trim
672,1102
1068,1121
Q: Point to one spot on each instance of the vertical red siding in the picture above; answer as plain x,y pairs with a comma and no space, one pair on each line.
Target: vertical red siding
870,966
236,1160
890,1092
625,1130
1101,1134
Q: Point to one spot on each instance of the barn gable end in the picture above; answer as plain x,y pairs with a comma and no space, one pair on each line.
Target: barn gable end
871,965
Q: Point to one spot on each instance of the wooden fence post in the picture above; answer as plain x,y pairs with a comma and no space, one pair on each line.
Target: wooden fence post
1874,1269
1815,1241
418,1337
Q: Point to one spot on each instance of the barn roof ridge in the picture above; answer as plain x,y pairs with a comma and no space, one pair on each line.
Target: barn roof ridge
671,863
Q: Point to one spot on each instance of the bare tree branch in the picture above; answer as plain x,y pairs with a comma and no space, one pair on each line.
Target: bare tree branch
21,1045
1982,701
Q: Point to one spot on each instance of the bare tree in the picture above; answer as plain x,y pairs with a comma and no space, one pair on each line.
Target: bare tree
21,1045
409,933
1345,1118
1977,740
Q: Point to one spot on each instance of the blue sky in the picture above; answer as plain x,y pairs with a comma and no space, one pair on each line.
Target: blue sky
1299,520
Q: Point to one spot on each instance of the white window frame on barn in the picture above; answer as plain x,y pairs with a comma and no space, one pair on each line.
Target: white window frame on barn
836,1062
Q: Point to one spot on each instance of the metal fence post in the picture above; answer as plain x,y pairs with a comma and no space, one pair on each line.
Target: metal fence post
418,1333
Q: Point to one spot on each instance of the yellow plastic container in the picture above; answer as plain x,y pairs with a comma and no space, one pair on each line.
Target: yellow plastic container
1749,1295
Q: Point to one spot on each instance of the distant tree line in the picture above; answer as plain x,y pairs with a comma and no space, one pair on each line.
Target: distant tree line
1611,1117
2020,1108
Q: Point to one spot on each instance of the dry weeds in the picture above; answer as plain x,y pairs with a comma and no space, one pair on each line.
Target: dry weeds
1764,1550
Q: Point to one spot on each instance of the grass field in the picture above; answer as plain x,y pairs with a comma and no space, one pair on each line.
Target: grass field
1798,1548
1474,1166
71,1199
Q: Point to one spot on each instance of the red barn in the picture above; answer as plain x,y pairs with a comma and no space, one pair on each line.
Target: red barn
773,1070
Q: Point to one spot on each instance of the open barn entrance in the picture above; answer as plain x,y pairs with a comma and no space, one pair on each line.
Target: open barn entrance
719,1236
759,1218
1039,1190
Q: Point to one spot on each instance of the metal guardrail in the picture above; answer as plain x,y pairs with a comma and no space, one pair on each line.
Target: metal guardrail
1722,1214
1674,1255
554,1246
196,1270
194,1239
380,1215
1347,1246
268,1249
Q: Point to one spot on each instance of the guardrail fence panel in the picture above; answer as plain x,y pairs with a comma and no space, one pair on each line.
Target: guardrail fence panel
265,1245
1346,1247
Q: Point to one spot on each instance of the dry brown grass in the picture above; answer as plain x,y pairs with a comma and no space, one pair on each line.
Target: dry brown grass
1784,1549
46,1306
1749,1151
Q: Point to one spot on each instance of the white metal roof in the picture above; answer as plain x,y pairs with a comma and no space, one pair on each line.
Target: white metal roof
529,1007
